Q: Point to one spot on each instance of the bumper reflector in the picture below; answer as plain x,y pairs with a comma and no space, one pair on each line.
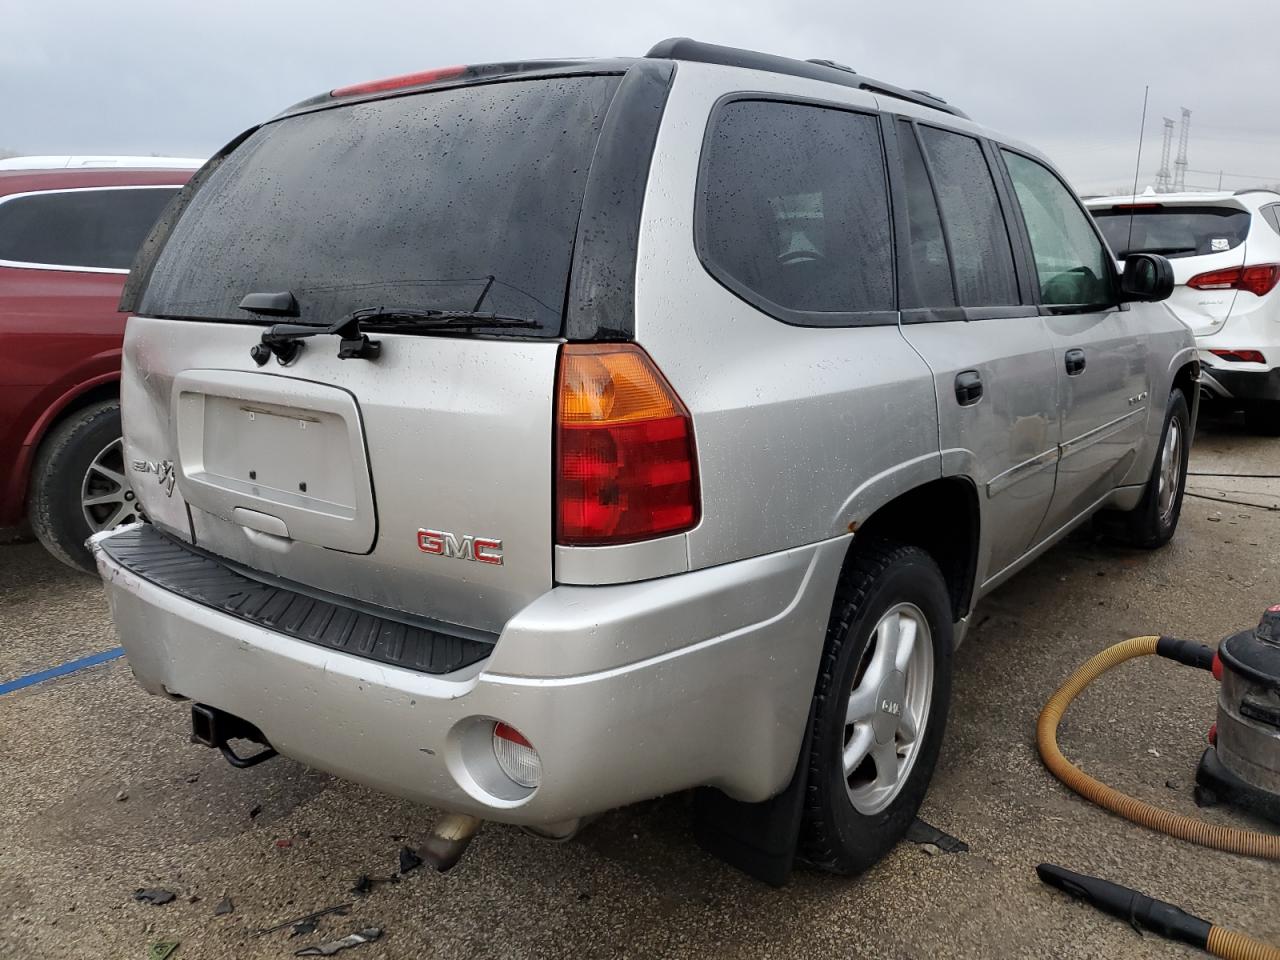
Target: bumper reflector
516,756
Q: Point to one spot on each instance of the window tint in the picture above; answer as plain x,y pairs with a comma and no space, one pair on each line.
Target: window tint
80,228
980,246
925,279
795,210
417,201
1071,262
1174,231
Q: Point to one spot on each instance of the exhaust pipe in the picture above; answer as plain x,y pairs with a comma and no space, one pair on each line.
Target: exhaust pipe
213,728
449,838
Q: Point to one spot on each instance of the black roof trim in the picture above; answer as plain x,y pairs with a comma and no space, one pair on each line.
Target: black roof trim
828,71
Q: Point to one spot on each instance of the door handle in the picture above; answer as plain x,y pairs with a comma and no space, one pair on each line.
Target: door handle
1075,362
968,387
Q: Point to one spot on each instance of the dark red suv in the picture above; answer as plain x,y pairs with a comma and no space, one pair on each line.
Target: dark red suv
67,237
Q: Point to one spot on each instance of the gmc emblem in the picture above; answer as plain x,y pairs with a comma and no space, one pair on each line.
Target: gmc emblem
441,543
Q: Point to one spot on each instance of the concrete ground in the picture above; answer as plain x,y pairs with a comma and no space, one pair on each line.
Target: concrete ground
101,793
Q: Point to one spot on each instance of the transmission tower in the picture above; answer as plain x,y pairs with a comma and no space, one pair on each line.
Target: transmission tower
1163,177
1180,164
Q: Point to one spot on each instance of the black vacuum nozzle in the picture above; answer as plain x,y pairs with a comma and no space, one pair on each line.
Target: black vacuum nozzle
1130,905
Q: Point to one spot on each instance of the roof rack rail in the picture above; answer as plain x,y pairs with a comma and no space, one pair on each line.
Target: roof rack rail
1255,190
683,48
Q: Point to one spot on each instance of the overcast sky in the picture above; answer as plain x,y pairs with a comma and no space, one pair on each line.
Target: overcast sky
145,76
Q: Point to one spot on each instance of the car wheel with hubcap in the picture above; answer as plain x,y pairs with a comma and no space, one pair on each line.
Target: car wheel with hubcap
880,708
79,484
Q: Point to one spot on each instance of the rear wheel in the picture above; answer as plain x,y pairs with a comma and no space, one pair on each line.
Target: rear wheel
79,484
880,709
1154,520
1263,417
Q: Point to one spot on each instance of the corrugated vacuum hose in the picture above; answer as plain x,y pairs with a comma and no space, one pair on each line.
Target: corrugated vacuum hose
1216,940
1249,843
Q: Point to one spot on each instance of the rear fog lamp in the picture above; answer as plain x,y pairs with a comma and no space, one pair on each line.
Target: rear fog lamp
516,756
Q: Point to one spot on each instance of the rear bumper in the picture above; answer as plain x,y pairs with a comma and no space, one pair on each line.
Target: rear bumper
627,691
1223,383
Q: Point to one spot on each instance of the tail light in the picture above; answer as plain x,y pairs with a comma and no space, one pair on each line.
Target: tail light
625,462
1240,356
1258,280
516,756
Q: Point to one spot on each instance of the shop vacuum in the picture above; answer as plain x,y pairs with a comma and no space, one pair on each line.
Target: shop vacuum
1240,768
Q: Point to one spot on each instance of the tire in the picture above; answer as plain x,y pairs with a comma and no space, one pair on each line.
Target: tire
1263,417
61,479
1153,522
849,823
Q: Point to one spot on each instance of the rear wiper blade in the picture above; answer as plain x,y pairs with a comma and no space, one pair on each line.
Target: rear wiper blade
1160,250
414,318
284,340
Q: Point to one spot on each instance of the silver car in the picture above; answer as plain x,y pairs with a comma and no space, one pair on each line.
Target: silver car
533,439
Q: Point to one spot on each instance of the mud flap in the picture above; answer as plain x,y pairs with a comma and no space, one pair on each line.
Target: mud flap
759,839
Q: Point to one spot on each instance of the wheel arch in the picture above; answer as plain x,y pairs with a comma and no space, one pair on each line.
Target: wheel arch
941,517
95,390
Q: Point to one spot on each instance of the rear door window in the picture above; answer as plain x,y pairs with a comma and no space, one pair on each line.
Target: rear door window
1072,265
424,201
1174,231
794,211
971,215
93,228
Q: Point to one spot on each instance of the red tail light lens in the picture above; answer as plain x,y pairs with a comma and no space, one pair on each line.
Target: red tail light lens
395,83
1258,280
1240,356
625,461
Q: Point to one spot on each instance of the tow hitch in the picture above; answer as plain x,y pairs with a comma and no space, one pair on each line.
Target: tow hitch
214,728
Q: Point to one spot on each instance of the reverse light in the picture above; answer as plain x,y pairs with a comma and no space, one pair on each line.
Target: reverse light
516,756
396,83
1240,356
625,461
1259,279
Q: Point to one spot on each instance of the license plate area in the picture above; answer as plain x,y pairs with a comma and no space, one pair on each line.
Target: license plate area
273,454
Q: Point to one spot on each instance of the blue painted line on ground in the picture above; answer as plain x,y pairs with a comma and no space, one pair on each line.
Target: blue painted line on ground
61,670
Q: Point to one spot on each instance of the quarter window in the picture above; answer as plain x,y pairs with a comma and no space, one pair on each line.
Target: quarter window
1071,262
925,280
979,241
80,228
794,215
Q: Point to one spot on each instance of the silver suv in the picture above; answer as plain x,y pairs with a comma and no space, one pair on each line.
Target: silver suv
532,439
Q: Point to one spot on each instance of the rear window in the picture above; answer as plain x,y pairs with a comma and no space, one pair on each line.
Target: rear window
1173,231
417,201
77,228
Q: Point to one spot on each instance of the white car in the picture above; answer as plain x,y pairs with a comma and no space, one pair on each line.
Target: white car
1225,251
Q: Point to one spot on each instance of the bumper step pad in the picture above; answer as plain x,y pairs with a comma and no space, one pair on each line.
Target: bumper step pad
301,613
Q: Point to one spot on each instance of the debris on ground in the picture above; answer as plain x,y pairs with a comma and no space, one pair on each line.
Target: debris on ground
192,777
224,907
363,885
253,814
338,909
931,849
122,795
154,896
284,843
162,949
304,928
367,935
409,859
929,835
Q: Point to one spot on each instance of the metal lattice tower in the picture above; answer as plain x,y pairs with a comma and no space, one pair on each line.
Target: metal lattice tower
1180,164
1163,177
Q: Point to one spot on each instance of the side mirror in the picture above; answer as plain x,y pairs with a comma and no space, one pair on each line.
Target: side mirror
1147,277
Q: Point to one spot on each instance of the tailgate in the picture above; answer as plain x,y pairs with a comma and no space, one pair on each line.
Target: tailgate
419,482
1204,311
